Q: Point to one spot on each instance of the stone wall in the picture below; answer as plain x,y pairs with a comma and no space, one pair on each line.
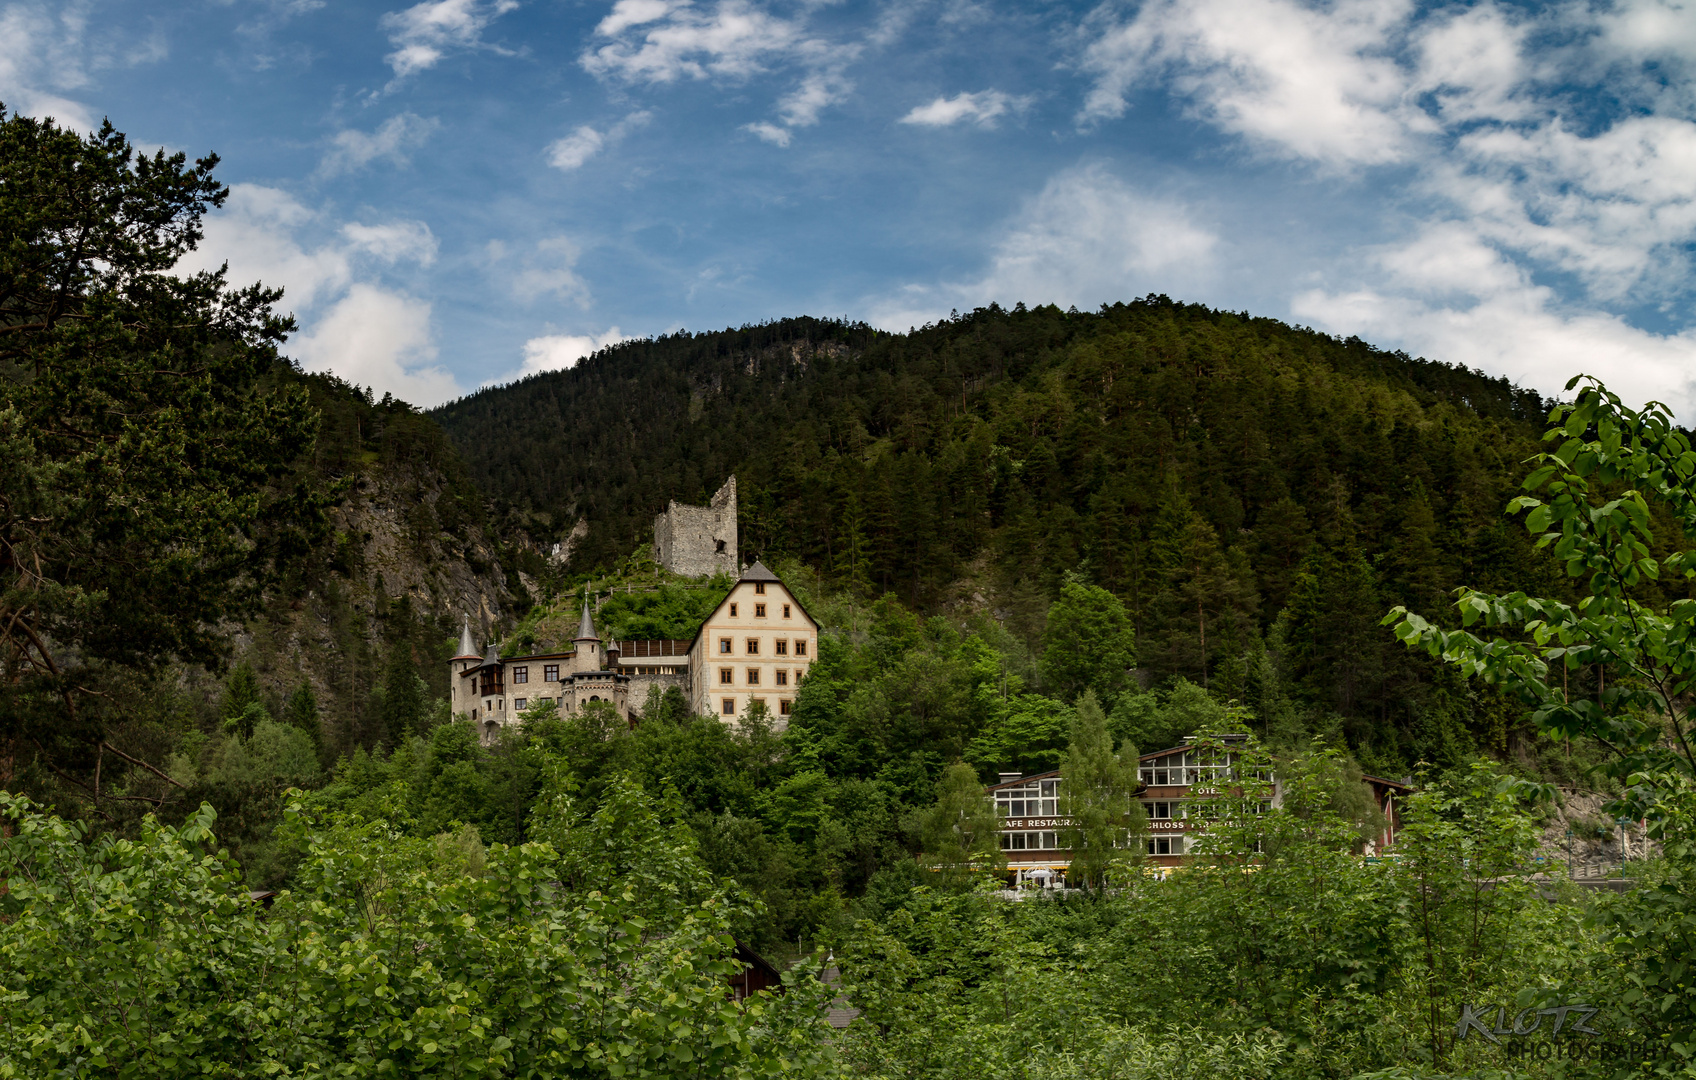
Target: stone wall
699,541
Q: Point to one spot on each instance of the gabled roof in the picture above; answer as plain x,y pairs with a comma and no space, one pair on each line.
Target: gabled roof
758,572
755,573
493,657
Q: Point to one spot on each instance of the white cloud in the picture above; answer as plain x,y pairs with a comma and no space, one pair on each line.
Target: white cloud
982,108
769,132
393,141
353,325
395,241
42,60
734,39
573,150
554,352
1545,154
1312,82
1523,332
656,42
379,338
1087,239
819,90
550,269
424,33
628,13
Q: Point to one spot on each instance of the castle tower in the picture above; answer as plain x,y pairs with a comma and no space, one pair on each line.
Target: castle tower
699,541
588,642
460,690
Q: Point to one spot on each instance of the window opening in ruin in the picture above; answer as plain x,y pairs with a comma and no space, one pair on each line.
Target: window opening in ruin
720,547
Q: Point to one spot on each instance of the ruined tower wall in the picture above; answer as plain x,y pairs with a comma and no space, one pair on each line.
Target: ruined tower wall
699,541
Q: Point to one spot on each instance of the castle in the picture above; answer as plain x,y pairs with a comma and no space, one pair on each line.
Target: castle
699,541
755,646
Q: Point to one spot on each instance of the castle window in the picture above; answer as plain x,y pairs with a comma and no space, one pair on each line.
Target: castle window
781,647
720,548
733,611
725,678
520,703
786,611
753,676
473,714
800,648
784,707
730,706
759,611
550,673
782,677
760,587
753,646
520,674
724,645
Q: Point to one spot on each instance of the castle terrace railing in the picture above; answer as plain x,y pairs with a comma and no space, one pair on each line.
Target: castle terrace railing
631,650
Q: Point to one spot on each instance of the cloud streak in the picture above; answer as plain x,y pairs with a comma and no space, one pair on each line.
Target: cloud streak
424,34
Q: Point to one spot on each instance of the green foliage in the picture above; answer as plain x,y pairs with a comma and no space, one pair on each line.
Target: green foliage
145,452
1614,469
959,832
1097,794
1090,643
301,711
1252,494
388,959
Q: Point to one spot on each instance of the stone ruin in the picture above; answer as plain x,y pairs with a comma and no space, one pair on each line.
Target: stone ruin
699,541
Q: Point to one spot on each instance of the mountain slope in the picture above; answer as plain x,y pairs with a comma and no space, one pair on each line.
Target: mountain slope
1258,494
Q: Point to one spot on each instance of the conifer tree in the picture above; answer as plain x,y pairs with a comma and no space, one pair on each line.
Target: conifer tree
1097,792
959,830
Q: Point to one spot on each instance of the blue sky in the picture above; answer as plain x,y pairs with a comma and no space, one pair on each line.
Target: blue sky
461,191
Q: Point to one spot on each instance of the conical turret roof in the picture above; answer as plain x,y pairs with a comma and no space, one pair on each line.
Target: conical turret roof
586,626
467,647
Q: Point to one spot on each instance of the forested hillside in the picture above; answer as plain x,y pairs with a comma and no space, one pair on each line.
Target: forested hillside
1257,494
